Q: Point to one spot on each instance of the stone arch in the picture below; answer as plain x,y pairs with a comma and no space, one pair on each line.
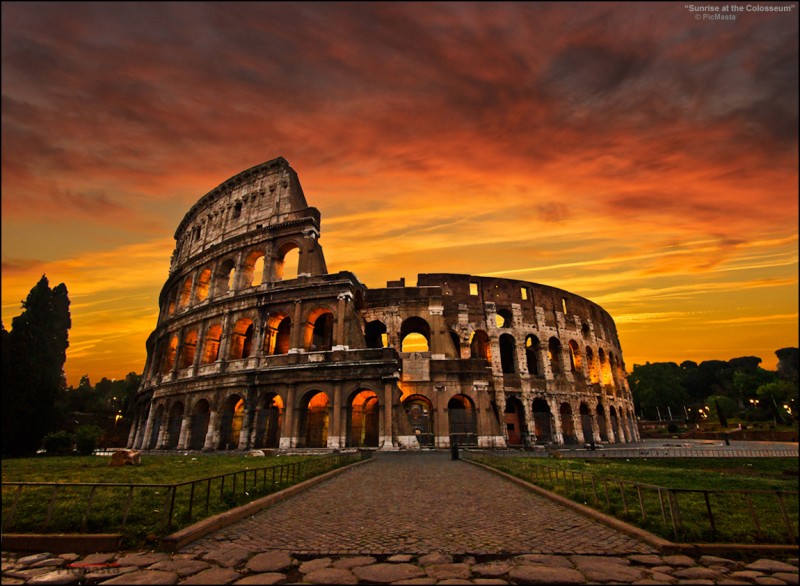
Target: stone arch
241,339
286,263
174,425
269,420
188,349
185,293
515,421
605,371
375,334
212,343
155,429
230,425
567,424
198,424
203,285
532,354
456,342
508,354
315,415
504,318
169,354
415,334
479,346
279,334
225,277
462,420
363,419
554,349
575,358
419,412
253,269
601,422
318,333
612,415
542,421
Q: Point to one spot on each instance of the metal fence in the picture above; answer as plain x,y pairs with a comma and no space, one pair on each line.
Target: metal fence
654,453
685,515
52,507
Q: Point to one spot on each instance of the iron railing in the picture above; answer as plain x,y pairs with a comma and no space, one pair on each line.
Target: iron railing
50,507
682,514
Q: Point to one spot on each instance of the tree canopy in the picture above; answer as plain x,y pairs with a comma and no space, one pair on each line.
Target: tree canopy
34,352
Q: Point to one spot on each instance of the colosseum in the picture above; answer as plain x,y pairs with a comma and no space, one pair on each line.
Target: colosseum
247,354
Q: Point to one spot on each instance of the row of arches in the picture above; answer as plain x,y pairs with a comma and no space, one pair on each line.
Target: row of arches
227,274
593,367
208,342
233,426
567,424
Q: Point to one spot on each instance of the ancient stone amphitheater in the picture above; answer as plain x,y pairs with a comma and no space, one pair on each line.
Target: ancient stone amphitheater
246,354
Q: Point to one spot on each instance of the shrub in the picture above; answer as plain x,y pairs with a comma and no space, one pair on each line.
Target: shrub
86,439
58,443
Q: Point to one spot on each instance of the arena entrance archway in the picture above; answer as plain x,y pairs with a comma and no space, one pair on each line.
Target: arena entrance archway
461,417
541,421
363,422
586,424
515,422
174,426
314,421
231,423
420,417
567,424
198,425
268,422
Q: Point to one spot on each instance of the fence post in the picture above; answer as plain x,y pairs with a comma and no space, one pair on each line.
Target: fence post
50,507
88,508
191,500
622,494
127,506
641,502
710,514
208,494
792,536
753,514
674,511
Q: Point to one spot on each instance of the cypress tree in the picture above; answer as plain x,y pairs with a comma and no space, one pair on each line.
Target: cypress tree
35,349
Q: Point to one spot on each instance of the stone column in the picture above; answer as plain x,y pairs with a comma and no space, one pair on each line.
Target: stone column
225,341
544,360
339,341
211,432
183,436
609,428
500,401
148,427
335,429
298,328
529,424
288,436
557,431
388,405
595,424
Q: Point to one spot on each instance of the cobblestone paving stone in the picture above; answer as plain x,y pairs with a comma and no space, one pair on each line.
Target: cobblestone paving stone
406,520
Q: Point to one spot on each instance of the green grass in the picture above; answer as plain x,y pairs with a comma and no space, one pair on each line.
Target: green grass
145,510
613,491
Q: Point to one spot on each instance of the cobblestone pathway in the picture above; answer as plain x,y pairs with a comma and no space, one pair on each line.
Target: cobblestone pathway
406,519
416,504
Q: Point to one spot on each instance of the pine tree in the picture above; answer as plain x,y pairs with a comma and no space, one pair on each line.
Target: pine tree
35,349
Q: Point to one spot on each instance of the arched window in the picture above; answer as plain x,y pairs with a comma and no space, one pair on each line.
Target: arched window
415,335
575,360
203,283
169,354
419,412
188,349
231,423
286,263
375,334
508,354
253,269
532,351
591,362
185,293
241,339
226,276
479,346
268,422
456,340
541,421
278,334
461,417
319,330
211,344
504,318
554,348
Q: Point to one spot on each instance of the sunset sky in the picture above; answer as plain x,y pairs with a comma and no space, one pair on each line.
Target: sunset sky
632,153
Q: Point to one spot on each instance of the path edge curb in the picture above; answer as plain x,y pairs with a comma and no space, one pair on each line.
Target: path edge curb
175,541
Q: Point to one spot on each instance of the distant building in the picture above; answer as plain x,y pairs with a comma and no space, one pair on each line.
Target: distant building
245,356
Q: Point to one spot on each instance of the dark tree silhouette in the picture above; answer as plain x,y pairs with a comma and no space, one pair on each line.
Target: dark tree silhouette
34,352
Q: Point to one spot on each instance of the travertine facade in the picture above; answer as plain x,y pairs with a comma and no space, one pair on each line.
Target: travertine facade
245,356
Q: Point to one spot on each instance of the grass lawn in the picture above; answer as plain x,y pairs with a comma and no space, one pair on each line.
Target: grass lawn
609,485
142,513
